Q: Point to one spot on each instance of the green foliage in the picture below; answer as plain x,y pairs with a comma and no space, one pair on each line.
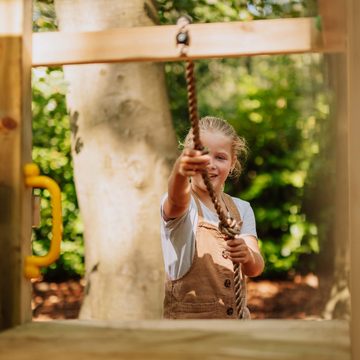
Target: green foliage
277,103
44,17
52,152
202,11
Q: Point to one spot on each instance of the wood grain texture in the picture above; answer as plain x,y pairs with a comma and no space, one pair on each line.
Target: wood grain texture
193,339
353,56
15,150
157,43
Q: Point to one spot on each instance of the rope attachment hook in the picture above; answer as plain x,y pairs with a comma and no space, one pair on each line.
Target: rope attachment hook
182,36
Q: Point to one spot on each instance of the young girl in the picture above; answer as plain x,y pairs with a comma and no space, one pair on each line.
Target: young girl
198,258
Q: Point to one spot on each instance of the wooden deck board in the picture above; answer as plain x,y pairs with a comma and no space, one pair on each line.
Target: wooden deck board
209,339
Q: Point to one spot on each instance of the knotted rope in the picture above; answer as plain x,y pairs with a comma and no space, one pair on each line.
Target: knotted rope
227,225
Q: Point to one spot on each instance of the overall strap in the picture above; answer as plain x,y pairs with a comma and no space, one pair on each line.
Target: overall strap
234,212
231,206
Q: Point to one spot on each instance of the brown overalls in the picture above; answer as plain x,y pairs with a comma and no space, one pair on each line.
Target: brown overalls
206,291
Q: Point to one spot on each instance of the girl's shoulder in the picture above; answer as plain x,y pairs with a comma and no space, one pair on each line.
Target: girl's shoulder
244,207
240,203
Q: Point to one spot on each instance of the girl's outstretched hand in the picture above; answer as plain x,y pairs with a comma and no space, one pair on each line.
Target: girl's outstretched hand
238,251
192,162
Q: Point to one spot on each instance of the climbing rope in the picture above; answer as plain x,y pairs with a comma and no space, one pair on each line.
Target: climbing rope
227,225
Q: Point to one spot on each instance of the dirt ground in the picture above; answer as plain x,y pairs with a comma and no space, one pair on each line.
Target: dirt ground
297,299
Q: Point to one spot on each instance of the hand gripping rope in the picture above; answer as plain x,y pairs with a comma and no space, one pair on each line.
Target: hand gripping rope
227,225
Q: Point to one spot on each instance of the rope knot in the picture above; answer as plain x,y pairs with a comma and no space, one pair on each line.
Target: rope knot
230,227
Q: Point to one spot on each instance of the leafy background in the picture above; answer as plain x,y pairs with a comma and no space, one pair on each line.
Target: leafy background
280,104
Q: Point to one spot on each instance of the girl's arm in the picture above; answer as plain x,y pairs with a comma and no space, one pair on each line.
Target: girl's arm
256,265
188,164
244,249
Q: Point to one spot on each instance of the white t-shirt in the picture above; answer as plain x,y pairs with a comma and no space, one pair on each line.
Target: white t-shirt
178,235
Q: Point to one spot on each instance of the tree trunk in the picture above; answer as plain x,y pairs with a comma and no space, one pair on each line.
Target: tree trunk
123,145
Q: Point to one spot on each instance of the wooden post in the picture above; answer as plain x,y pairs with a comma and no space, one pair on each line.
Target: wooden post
354,168
15,151
333,21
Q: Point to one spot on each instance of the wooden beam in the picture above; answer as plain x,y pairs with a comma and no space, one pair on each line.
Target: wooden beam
177,340
353,55
157,43
15,150
333,21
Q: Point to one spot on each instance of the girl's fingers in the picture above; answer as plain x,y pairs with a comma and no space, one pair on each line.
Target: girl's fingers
193,162
202,161
188,172
236,242
239,260
193,167
237,247
237,250
238,254
195,155
191,152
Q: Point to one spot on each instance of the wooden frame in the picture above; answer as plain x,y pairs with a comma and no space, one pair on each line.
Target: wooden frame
234,39
157,43
15,151
178,340
353,81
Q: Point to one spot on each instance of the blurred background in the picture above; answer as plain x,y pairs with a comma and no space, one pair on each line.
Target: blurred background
280,104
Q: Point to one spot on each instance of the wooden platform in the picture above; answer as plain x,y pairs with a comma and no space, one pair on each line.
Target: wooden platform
206,339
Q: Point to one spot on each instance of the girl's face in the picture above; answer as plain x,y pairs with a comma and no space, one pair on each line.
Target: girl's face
221,160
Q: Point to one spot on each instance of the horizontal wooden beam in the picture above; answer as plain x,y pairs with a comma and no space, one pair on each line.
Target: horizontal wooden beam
177,340
157,43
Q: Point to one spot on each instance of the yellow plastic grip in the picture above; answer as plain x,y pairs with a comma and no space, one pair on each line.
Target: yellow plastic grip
33,179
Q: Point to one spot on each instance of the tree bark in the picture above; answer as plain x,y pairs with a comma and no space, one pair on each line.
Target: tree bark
123,145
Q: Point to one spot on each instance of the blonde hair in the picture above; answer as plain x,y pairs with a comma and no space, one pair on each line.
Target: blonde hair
238,143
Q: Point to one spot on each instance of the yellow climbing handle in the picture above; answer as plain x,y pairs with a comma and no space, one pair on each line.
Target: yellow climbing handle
33,179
